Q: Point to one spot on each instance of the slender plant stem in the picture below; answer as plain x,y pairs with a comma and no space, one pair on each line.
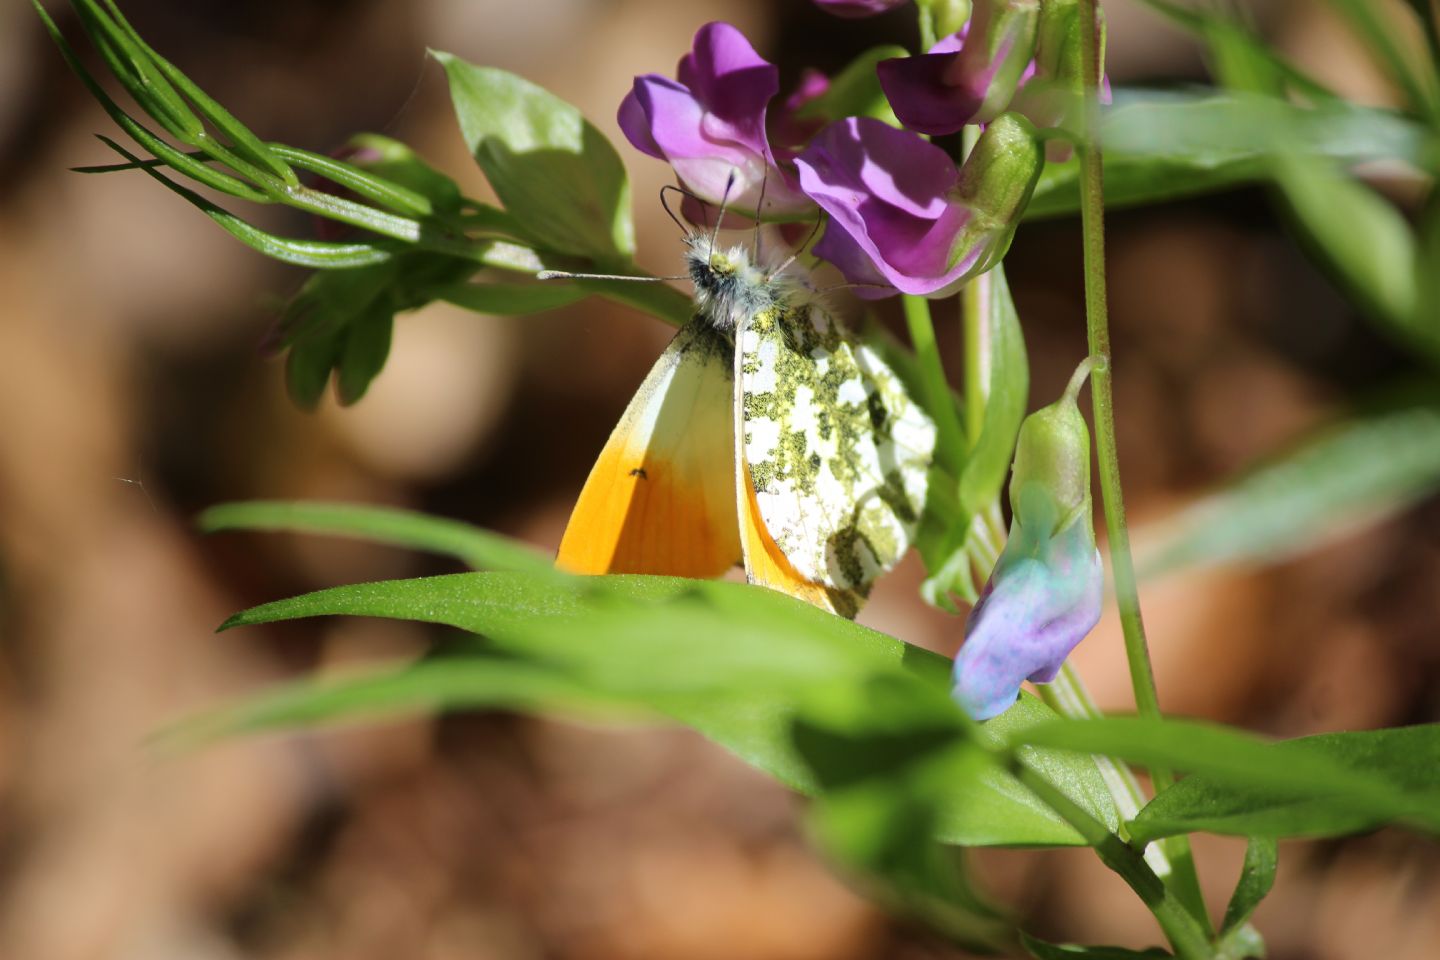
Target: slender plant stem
1186,936
1122,566
951,440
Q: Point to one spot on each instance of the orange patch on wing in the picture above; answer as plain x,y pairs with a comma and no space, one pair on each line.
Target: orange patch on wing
767,565
640,514
661,497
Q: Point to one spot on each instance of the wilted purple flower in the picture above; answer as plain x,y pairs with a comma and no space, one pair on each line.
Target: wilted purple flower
857,8
901,213
1045,592
709,123
968,77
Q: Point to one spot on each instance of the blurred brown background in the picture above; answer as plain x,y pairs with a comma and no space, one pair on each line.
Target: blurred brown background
132,394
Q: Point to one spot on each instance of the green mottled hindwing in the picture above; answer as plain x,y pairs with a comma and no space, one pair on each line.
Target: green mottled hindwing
838,452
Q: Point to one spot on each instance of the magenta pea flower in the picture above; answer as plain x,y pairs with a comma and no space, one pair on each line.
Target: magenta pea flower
857,8
709,124
969,76
1045,592
902,217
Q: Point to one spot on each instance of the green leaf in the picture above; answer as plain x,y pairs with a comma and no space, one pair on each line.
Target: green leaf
1257,876
1358,470
735,662
1363,238
242,140
397,164
554,172
388,193
363,356
1330,784
1009,386
888,764
472,546
1041,950
304,253
1326,785
1412,70
1162,146
480,679
308,365
855,91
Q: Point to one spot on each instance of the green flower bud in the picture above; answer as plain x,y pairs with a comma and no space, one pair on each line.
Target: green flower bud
947,16
996,183
1052,454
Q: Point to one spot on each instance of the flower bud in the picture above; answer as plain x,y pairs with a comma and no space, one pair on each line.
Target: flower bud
1045,592
947,16
995,184
969,76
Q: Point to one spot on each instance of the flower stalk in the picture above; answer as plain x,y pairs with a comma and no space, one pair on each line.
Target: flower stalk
1183,880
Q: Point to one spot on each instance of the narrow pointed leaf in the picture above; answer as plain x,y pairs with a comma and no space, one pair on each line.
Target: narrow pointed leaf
1353,472
1373,777
1257,876
476,548
241,138
305,253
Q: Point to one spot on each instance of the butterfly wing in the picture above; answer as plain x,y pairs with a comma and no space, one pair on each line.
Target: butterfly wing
837,452
767,565
661,497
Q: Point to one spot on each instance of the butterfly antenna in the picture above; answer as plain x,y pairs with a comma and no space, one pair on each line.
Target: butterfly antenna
566,275
759,206
665,204
813,230
720,217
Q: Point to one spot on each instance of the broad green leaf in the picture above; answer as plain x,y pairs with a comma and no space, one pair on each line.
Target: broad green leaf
855,91
476,548
737,663
1334,783
1041,950
1161,146
1008,378
554,172
1363,238
889,764
1358,470
1325,785
1257,876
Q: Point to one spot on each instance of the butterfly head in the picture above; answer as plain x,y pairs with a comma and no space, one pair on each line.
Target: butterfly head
729,286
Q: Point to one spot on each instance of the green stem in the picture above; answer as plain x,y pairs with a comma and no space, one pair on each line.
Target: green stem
950,450
1186,936
1127,597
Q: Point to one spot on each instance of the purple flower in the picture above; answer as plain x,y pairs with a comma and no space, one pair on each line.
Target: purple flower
1042,599
709,123
857,8
1045,592
968,77
900,212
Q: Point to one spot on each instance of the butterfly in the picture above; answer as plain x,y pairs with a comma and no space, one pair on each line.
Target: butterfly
764,434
